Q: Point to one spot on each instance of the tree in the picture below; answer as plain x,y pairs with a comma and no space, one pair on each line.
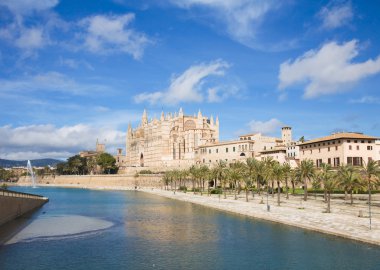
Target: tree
107,162
329,184
305,172
287,170
251,174
235,174
349,180
278,174
370,174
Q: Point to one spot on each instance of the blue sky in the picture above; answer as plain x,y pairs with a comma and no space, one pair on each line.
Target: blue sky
75,71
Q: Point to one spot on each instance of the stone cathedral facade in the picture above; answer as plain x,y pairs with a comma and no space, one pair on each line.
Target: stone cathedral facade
169,141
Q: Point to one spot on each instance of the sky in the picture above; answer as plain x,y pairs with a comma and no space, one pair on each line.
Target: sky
72,72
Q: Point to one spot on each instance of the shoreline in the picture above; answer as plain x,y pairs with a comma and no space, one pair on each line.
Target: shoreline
294,212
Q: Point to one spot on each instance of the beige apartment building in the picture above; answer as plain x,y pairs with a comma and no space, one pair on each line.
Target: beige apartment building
249,145
339,148
170,141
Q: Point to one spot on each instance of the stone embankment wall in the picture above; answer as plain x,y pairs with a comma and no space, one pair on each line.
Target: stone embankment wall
13,205
117,180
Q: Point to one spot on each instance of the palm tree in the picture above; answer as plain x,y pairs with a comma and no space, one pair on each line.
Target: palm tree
193,171
306,172
348,179
203,172
371,173
287,170
293,180
220,166
324,175
236,174
251,173
329,185
267,174
278,174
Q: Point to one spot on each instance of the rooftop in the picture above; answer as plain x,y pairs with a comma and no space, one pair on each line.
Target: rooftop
341,135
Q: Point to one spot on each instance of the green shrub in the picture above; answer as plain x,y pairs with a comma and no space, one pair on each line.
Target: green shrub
146,172
216,191
4,186
183,188
196,189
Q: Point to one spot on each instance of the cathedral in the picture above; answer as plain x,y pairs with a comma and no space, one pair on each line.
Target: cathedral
169,141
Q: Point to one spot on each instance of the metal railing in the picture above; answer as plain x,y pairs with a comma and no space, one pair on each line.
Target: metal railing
10,193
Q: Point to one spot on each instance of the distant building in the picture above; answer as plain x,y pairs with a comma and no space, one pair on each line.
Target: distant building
100,148
340,148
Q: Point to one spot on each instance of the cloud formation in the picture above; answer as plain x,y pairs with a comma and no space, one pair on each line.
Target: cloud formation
189,86
336,15
28,6
241,17
269,127
110,34
328,70
366,100
43,141
50,82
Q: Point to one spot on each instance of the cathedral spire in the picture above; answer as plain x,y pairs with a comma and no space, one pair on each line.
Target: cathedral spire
199,114
144,119
217,121
162,118
212,120
180,114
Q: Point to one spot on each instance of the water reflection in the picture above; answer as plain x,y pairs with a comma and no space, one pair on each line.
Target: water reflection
170,222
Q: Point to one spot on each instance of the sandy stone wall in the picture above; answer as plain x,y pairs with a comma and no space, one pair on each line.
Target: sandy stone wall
13,207
100,180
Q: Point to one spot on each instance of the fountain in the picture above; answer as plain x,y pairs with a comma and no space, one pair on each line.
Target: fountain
32,175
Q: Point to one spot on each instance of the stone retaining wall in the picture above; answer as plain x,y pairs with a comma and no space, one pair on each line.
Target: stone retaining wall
13,207
100,180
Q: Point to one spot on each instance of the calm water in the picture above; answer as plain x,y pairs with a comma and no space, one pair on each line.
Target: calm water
142,231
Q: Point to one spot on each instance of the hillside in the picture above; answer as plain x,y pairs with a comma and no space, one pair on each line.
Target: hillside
5,163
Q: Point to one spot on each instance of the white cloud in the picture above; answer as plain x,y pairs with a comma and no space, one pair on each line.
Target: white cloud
241,17
219,94
328,70
188,87
28,6
38,141
366,100
109,34
336,15
269,127
50,81
31,38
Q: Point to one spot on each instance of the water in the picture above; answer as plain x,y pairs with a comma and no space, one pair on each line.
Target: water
32,175
132,230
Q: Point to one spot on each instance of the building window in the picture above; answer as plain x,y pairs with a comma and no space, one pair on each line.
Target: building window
209,151
349,160
328,149
329,161
355,141
319,150
336,148
350,147
336,162
357,147
233,149
357,161
217,150
226,150
311,151
362,141
203,160
369,147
